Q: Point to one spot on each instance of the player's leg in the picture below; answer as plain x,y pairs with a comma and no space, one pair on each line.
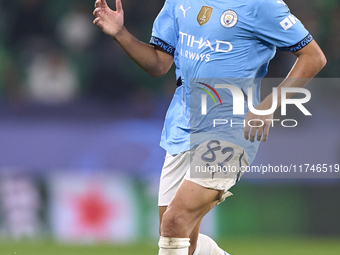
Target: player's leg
194,243
161,211
193,235
173,172
204,244
190,203
168,186
197,195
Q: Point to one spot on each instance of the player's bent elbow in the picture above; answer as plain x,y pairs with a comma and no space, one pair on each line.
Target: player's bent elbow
319,61
313,56
322,60
156,74
319,58
159,72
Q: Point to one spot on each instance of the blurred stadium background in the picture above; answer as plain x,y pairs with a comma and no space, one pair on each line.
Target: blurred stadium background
79,133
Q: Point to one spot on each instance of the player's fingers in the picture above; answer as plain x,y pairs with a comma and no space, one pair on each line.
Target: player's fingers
97,4
96,12
246,131
259,133
103,3
96,20
119,6
98,23
252,134
265,133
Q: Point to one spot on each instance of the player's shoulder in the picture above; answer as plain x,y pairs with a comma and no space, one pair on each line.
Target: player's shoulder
271,4
268,8
266,3
170,4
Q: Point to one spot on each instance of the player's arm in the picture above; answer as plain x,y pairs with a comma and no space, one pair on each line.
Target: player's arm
310,60
151,59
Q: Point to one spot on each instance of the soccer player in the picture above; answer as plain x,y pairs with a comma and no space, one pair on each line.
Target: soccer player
230,41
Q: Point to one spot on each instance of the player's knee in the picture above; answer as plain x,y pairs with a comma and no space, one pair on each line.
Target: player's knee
172,219
174,224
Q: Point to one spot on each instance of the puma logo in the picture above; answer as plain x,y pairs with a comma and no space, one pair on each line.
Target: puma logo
184,10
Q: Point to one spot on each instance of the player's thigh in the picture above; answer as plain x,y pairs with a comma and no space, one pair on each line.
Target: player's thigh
161,211
199,193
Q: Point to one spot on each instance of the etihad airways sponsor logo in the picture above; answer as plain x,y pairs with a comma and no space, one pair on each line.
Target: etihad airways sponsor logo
288,22
200,43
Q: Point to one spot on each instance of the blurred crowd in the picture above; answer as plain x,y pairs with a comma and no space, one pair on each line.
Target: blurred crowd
51,53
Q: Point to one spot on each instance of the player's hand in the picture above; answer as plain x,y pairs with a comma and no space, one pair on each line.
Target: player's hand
260,125
109,21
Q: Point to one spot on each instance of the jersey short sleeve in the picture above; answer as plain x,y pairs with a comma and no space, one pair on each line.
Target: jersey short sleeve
164,31
276,25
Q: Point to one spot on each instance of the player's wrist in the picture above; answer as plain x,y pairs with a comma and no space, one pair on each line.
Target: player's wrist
120,35
267,103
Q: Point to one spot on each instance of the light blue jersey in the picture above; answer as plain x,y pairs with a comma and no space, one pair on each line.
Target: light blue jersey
228,40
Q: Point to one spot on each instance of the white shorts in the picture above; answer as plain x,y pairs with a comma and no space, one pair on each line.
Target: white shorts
213,164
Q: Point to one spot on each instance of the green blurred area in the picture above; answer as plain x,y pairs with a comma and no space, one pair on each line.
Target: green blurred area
243,246
280,209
